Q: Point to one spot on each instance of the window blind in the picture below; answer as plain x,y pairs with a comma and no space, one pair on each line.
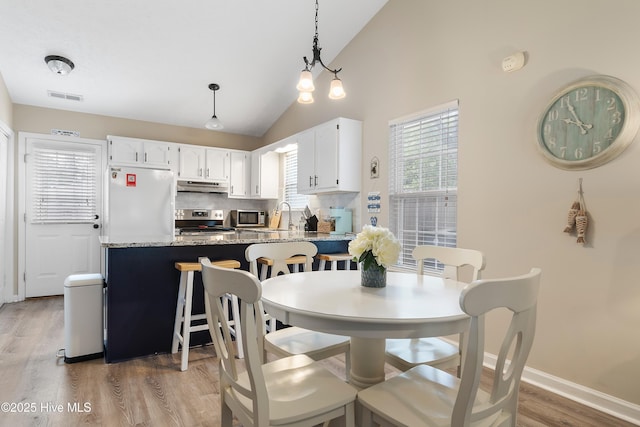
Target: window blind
423,183
297,201
64,187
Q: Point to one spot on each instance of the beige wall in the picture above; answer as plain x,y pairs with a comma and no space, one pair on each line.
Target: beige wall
42,120
6,108
512,204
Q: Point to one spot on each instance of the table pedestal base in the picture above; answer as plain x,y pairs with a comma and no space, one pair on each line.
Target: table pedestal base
367,362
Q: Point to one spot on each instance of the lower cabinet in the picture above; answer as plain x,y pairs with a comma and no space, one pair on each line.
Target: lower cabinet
142,291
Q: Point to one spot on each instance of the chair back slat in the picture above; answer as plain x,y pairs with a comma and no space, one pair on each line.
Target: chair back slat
519,295
279,253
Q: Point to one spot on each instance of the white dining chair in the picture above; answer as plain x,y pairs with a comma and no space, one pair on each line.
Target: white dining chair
295,340
404,354
425,396
293,391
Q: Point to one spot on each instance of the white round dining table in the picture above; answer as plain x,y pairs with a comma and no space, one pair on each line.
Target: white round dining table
410,306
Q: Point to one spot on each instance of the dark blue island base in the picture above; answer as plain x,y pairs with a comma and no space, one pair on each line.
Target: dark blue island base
142,291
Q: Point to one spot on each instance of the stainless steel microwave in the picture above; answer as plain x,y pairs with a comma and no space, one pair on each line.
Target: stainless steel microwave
247,218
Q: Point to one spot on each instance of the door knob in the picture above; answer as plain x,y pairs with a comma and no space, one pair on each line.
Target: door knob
96,226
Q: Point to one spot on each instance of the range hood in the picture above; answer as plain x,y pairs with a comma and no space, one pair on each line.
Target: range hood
203,186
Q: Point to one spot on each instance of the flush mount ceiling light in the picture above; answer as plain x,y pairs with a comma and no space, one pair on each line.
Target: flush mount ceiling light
59,64
305,84
214,123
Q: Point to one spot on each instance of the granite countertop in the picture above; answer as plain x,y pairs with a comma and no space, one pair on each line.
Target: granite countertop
225,238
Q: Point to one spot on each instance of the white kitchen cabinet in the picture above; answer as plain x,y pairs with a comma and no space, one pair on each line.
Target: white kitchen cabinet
139,152
329,157
265,173
239,174
217,163
203,163
192,160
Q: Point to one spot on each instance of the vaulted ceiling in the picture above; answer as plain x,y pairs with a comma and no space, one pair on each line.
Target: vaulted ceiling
153,60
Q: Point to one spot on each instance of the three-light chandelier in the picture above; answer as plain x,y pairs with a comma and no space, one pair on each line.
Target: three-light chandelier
305,84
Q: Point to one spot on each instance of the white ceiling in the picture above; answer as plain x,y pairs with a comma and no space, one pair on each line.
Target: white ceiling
153,60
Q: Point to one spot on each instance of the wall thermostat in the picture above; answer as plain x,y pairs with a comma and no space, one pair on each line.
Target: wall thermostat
513,62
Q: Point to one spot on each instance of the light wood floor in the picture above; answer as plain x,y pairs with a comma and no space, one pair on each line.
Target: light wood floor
152,391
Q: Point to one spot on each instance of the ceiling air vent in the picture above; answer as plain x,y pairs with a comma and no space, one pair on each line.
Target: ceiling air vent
61,95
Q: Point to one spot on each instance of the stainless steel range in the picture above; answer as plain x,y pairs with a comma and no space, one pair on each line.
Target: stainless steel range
200,222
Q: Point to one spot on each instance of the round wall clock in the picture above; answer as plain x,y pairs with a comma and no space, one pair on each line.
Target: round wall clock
589,122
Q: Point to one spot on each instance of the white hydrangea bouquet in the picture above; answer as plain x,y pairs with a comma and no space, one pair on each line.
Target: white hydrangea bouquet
376,248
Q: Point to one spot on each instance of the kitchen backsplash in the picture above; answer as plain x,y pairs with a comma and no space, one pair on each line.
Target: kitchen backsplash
319,205
220,201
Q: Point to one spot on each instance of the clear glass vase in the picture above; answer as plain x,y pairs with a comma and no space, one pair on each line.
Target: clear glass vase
373,277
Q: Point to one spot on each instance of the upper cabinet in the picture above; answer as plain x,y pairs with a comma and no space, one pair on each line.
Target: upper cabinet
203,164
140,152
265,173
239,175
217,164
329,157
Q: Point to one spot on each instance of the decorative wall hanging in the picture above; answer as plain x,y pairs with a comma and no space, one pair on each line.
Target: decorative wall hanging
375,168
373,202
577,217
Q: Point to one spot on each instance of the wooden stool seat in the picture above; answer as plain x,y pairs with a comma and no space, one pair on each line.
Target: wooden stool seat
196,266
182,328
268,262
333,259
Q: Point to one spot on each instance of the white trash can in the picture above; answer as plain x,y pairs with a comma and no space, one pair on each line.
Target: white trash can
83,317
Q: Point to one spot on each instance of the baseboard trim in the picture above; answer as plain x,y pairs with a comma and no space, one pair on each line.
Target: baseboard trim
611,405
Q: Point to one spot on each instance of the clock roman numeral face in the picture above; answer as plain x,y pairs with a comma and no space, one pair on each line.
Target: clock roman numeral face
582,123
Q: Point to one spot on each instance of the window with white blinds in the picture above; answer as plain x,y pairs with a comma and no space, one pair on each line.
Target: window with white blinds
64,187
423,182
297,201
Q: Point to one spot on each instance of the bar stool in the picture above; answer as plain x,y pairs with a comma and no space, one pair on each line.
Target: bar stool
265,263
182,328
333,259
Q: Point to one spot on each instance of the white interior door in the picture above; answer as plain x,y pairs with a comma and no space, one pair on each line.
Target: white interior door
63,209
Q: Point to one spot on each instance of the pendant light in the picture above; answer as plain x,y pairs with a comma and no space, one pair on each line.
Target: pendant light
214,123
305,84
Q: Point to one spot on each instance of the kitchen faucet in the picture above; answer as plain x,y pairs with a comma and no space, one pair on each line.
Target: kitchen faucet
291,226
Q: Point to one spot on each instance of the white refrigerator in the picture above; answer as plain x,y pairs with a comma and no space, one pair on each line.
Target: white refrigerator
139,204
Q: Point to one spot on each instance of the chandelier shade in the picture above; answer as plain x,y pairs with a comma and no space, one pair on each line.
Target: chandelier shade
336,91
305,84
305,98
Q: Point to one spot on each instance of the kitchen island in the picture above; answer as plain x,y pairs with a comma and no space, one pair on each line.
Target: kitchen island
142,283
